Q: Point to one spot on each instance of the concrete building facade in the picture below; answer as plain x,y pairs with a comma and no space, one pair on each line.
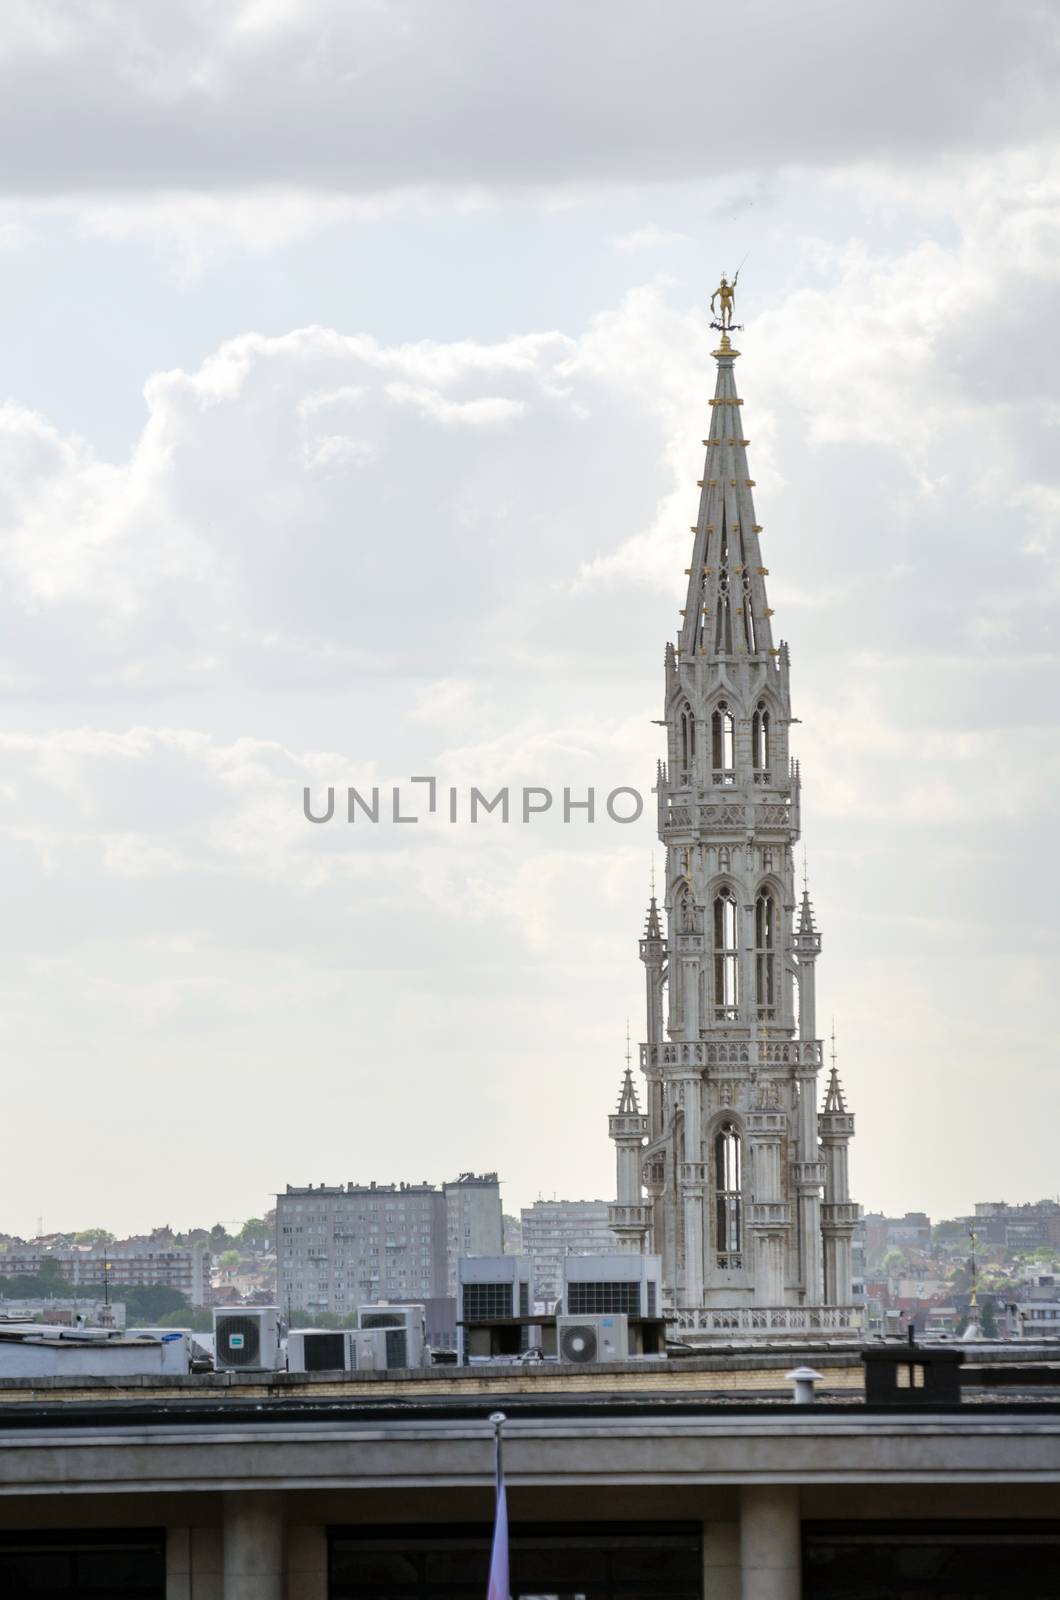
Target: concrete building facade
385,1490
1022,1227
339,1247
553,1229
732,1173
473,1219
133,1263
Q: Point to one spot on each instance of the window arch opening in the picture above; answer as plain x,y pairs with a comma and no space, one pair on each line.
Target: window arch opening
723,744
760,743
726,956
687,733
766,955
723,622
728,1196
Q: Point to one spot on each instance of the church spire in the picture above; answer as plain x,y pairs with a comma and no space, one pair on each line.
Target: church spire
726,613
833,1100
807,928
839,1214
628,1104
628,1218
652,928
737,1152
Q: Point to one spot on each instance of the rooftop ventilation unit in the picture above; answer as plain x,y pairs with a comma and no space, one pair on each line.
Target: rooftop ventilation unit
368,1352
318,1350
175,1342
246,1339
617,1282
586,1341
405,1328
492,1291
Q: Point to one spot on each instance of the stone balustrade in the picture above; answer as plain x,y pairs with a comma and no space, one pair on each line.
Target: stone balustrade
725,1321
628,1125
808,1174
687,818
835,1124
840,1214
763,1125
628,1216
696,1054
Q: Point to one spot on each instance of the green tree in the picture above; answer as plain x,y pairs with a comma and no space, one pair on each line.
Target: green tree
988,1319
228,1258
93,1236
960,1278
199,1321
30,1285
145,1303
255,1234
1041,1254
50,1276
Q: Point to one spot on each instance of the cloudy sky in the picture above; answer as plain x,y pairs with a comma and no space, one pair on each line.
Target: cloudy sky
354,357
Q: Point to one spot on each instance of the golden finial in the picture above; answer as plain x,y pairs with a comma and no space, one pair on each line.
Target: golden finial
726,293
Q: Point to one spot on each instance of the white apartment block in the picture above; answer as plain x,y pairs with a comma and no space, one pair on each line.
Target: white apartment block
553,1229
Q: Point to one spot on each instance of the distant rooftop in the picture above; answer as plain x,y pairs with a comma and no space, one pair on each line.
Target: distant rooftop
464,1179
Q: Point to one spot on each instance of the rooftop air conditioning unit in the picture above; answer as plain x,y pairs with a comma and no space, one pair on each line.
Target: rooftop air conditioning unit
614,1282
493,1293
175,1342
246,1339
585,1341
405,1328
318,1350
368,1352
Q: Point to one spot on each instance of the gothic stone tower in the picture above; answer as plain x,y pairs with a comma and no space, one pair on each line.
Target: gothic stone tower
747,1197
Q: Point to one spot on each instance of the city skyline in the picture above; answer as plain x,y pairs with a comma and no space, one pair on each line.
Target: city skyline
334,460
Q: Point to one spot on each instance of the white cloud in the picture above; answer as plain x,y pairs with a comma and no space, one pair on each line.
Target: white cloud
363,99
648,237
333,559
14,236
486,411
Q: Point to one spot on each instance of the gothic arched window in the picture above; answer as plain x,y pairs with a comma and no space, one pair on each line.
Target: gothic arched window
722,751
723,624
760,738
765,954
726,956
728,1195
688,741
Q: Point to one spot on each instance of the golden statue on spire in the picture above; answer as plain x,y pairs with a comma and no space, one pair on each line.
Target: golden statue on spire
726,293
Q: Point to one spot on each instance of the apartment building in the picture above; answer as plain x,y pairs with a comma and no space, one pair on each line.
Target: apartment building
553,1229
132,1263
474,1223
338,1247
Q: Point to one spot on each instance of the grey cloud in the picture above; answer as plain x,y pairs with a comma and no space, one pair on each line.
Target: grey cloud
363,97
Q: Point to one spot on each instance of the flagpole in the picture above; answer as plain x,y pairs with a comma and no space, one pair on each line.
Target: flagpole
498,1419
499,1581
